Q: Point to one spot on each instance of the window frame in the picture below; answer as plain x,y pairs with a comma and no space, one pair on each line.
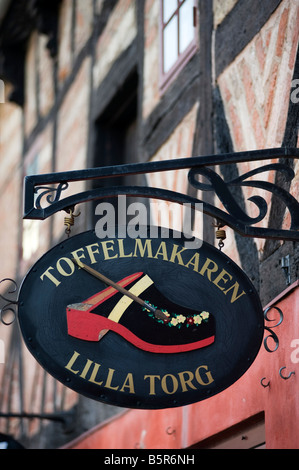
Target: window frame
167,78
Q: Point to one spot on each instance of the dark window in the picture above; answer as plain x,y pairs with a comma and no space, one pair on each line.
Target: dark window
117,140
178,36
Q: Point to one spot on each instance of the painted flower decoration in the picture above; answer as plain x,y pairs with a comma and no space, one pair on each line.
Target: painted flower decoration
179,320
197,319
204,315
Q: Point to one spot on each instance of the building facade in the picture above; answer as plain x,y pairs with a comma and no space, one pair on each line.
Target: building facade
104,82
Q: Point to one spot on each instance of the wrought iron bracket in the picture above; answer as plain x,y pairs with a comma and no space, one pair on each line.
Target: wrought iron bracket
39,189
10,305
272,335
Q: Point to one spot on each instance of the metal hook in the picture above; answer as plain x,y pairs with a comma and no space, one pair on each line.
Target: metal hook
263,384
282,376
70,221
220,234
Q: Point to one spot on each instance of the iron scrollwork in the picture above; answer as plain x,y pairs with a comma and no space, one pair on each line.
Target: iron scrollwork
234,217
10,305
272,335
52,195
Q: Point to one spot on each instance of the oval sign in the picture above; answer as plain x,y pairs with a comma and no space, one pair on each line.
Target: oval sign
178,325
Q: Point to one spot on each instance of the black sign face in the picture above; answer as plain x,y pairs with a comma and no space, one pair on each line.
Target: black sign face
200,333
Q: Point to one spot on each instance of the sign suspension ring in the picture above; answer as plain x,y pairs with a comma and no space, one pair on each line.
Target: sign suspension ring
70,220
220,234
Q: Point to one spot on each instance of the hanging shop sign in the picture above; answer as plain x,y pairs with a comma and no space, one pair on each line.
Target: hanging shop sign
140,323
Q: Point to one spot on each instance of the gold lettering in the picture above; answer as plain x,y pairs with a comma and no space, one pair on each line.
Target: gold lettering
50,276
109,380
175,384
92,252
152,382
107,248
86,368
194,263
76,256
147,246
94,374
177,254
208,270
199,377
62,271
162,251
187,381
72,362
122,251
128,383
221,277
234,297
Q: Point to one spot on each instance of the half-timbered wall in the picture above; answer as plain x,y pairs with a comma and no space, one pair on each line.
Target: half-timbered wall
69,67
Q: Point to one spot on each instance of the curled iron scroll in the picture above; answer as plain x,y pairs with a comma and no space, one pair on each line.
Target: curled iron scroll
52,195
222,190
10,306
272,335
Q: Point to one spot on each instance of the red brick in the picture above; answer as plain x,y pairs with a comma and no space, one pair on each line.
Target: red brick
248,86
258,129
260,51
295,43
282,32
270,94
237,129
